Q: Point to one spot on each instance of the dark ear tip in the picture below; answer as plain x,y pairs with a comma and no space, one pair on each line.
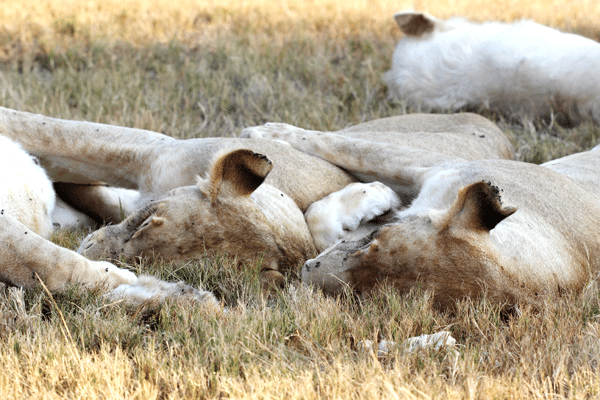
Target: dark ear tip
484,205
414,24
492,211
263,157
263,166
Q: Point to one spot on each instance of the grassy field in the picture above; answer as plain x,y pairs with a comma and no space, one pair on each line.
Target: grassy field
210,68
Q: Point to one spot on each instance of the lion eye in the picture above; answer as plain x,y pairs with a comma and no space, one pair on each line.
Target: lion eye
144,224
150,222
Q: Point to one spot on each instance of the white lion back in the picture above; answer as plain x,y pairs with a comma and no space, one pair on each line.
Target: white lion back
522,69
26,193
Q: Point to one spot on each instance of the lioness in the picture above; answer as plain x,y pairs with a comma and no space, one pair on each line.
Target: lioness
219,194
27,205
522,69
519,232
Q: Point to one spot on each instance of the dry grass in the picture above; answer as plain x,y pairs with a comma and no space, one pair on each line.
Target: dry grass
297,345
209,68
190,21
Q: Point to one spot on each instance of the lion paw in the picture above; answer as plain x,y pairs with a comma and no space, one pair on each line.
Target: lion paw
148,290
342,212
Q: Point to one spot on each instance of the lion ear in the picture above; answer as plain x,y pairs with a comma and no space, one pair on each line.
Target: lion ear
241,171
478,207
415,24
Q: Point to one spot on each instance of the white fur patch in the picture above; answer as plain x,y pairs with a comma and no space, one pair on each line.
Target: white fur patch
270,130
333,217
66,217
26,193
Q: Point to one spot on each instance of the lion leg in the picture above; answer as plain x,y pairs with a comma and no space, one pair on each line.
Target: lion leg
403,168
105,204
66,217
25,256
84,152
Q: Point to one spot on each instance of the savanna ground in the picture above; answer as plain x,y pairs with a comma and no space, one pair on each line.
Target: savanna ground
210,68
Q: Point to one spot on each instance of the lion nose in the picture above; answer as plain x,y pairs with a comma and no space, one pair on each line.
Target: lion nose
310,264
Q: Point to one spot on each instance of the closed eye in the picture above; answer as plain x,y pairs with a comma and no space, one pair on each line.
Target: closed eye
144,224
138,231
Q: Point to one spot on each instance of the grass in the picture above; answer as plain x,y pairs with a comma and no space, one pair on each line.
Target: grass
193,69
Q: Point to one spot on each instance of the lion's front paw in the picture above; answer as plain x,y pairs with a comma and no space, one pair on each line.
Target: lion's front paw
342,212
148,290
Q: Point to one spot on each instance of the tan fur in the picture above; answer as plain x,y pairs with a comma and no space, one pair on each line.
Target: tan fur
27,258
179,221
84,152
465,135
220,215
517,231
428,139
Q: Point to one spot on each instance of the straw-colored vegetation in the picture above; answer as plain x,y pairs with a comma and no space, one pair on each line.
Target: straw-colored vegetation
208,68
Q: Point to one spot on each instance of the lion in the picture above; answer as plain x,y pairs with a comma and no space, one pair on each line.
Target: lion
518,232
238,196
28,258
521,69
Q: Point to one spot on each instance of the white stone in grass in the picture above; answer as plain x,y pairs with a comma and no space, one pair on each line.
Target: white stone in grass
437,341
